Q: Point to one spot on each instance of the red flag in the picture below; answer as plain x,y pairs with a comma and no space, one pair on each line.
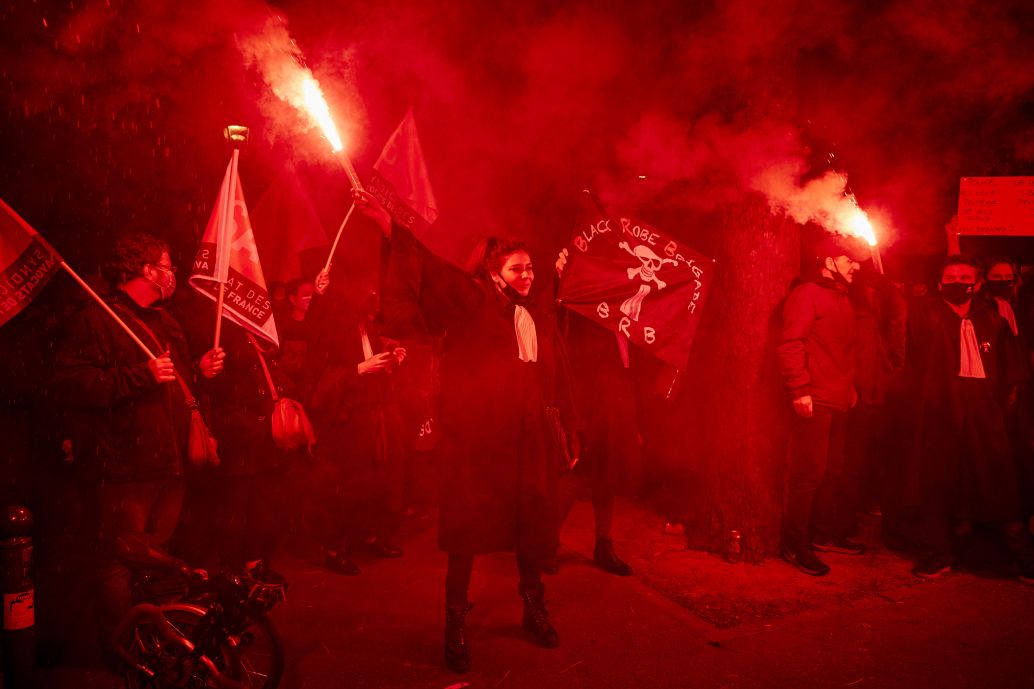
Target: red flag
400,181
246,301
637,281
27,262
286,225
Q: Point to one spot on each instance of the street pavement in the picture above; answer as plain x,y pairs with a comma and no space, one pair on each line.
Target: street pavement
686,619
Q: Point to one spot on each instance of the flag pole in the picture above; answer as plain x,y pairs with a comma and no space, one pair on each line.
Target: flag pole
104,305
36,236
236,136
337,238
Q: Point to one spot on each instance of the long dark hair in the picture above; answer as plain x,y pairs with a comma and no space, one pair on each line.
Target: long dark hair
488,255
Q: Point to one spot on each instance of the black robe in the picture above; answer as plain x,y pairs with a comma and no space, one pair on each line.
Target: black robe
500,453
962,462
357,418
237,403
605,393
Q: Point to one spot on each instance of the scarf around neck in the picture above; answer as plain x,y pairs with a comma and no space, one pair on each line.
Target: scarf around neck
970,363
527,339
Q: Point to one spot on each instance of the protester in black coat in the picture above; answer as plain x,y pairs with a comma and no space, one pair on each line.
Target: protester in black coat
237,511
611,458
503,411
358,479
1001,288
126,424
127,415
880,313
962,469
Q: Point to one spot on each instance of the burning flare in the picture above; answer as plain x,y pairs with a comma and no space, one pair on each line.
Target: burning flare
857,223
277,57
320,112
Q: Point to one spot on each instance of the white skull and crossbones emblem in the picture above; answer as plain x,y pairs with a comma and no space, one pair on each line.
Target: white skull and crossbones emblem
651,264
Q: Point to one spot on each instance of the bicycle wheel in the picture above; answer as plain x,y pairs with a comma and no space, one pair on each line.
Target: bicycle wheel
255,658
172,664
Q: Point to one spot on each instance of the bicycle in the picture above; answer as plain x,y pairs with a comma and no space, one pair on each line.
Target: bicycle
193,631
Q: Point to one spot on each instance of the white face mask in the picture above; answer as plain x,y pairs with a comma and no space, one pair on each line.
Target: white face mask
166,284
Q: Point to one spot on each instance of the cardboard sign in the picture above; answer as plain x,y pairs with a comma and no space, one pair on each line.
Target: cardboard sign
1001,206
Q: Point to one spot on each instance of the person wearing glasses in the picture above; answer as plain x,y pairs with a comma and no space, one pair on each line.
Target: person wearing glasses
127,415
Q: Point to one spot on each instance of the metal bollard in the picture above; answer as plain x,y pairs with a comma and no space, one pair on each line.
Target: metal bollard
19,630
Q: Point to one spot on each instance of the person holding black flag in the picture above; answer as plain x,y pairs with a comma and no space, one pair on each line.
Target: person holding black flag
611,460
505,415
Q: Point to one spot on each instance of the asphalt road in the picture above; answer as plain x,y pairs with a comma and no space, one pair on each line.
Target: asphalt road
686,619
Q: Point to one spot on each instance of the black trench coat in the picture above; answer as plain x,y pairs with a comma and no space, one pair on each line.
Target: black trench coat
357,418
125,427
501,456
237,402
962,462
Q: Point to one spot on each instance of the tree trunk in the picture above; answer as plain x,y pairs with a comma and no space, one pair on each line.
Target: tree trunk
731,398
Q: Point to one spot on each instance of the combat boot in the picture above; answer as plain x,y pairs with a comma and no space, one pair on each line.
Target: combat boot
536,618
457,650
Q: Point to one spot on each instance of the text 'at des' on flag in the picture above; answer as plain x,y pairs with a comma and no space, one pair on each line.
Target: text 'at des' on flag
232,257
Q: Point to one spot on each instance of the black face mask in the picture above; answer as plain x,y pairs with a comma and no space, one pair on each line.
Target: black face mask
957,293
838,277
999,288
512,294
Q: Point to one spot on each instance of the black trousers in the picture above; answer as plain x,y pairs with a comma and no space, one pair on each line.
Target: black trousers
150,508
595,476
817,497
457,577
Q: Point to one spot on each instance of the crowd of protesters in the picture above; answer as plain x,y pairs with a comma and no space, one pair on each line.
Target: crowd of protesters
919,407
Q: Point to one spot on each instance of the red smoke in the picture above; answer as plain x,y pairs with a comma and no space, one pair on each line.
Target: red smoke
519,108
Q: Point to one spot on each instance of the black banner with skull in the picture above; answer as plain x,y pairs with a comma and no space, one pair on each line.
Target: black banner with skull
637,281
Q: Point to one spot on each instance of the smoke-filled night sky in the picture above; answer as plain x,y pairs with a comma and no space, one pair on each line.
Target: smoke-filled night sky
113,111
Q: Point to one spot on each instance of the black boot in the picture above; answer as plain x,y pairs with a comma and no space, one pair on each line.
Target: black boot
457,650
607,560
1019,544
536,618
